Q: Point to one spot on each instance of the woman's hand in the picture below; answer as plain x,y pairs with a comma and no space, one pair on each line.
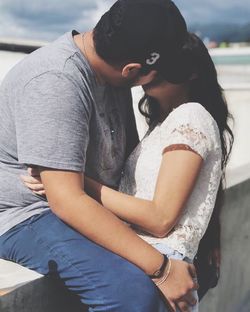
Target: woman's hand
178,287
33,181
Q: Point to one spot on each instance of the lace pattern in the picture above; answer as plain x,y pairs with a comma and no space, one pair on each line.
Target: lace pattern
183,234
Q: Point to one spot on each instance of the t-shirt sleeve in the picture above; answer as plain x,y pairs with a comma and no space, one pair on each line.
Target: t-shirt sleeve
190,126
52,123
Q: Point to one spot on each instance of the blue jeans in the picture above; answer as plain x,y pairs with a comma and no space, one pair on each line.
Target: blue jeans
102,280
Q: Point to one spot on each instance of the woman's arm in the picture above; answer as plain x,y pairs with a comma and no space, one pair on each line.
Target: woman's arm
176,179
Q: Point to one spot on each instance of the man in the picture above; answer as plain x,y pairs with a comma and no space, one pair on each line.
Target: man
66,110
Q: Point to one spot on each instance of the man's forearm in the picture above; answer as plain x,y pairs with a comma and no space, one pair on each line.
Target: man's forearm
98,224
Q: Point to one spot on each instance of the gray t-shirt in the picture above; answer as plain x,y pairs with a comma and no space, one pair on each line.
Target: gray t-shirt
54,114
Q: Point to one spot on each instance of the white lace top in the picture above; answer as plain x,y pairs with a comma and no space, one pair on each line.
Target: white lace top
189,124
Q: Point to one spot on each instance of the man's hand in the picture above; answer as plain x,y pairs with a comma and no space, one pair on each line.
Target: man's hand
179,286
33,181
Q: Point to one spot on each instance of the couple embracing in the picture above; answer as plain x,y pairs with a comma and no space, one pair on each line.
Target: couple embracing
122,219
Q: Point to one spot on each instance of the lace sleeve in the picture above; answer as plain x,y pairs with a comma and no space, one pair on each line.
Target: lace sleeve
189,125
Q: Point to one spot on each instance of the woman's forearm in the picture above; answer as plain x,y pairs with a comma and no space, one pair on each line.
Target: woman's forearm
140,212
159,215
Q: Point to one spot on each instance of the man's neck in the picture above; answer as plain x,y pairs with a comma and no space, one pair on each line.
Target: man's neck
84,42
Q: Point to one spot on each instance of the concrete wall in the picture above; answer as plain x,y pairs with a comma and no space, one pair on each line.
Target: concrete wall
233,292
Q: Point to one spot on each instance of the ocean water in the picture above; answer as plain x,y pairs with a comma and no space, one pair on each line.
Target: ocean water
233,67
231,59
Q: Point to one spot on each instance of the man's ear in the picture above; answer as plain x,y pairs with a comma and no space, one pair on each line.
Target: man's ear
131,70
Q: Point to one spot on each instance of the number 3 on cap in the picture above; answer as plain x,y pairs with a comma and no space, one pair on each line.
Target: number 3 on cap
153,59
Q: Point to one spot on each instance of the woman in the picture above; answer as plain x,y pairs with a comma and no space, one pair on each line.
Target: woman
171,180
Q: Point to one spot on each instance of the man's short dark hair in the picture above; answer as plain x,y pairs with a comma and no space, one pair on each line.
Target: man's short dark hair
138,30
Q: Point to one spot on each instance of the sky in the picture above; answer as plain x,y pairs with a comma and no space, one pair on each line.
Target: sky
48,19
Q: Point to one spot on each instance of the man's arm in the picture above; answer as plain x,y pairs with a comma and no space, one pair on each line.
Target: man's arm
88,217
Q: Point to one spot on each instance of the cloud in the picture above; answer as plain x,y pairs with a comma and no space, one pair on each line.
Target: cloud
214,11
48,19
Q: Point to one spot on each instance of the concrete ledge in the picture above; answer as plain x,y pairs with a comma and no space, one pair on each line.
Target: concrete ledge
13,276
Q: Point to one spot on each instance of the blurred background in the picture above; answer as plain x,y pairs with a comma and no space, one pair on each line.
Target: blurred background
223,21
225,28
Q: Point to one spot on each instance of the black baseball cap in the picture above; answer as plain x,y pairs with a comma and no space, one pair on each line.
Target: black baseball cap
149,32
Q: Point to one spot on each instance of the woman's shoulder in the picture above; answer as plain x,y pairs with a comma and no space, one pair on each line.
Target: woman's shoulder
191,109
192,124
193,114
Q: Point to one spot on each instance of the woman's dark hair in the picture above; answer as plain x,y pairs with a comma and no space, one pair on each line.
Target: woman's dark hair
204,89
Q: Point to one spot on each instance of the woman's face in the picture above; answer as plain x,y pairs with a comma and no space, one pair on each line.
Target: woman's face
161,89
